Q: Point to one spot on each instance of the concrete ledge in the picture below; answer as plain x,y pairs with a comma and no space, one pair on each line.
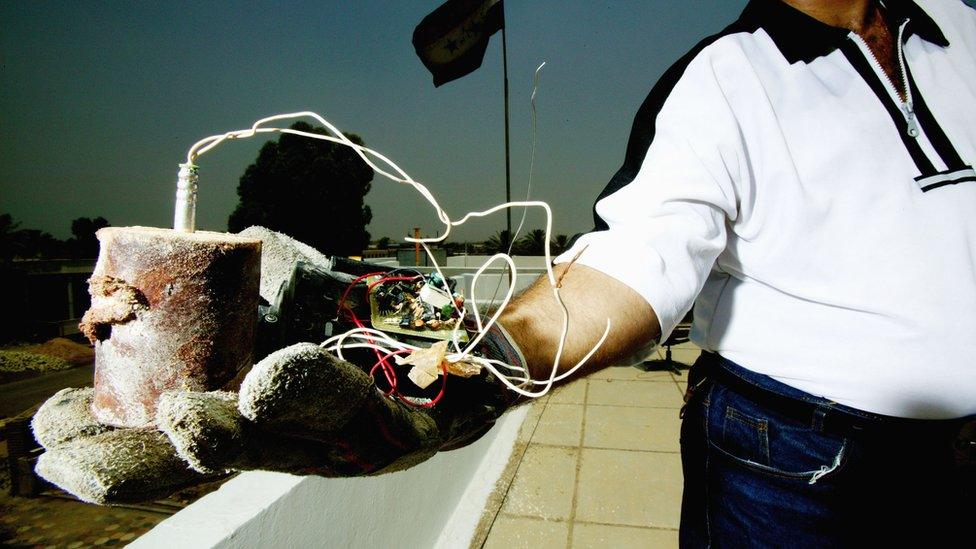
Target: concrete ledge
435,504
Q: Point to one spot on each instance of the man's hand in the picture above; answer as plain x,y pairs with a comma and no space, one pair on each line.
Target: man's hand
300,410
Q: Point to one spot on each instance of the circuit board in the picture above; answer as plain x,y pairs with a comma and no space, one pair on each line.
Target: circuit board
416,308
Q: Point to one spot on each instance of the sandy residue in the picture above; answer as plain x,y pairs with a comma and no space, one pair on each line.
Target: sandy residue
18,361
76,354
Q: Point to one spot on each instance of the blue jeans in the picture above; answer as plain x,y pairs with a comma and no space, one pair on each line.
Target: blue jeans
756,477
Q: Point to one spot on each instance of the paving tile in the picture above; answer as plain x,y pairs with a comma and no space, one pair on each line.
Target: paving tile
682,382
685,356
570,394
544,483
631,393
629,488
531,419
497,497
686,345
561,425
631,373
622,537
629,428
520,532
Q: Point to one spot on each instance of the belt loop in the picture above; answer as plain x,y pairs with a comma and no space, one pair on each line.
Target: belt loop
819,416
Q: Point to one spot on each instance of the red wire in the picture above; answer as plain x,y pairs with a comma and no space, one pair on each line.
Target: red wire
433,402
355,319
388,371
345,294
383,360
389,279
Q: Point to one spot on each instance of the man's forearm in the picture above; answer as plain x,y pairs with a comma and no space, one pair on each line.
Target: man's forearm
535,321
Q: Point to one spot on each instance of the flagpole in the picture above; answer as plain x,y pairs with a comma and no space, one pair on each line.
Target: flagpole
508,171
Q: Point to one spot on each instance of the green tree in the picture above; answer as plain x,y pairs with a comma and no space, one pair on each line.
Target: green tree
84,244
533,243
309,189
384,243
8,237
455,248
498,242
17,243
559,244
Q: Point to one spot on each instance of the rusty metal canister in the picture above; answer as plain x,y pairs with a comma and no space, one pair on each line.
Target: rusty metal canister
170,311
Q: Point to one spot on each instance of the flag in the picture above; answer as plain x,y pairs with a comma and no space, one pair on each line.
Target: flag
451,41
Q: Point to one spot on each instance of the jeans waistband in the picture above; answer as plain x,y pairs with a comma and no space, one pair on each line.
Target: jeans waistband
822,413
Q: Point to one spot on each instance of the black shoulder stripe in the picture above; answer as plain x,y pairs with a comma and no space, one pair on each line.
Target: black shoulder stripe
645,122
861,65
935,133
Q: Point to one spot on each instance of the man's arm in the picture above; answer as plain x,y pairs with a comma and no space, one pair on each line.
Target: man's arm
534,321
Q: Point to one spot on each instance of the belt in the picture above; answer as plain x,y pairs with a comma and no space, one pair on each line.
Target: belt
825,414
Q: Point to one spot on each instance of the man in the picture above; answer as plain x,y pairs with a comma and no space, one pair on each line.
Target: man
807,174
804,177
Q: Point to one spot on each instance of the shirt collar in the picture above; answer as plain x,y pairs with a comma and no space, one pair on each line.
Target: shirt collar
800,37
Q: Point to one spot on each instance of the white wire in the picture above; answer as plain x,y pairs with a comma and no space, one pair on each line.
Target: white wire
528,186
378,340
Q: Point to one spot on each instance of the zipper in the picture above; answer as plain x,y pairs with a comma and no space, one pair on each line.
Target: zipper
906,106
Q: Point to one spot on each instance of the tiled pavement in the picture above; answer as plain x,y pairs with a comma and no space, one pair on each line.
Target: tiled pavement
596,465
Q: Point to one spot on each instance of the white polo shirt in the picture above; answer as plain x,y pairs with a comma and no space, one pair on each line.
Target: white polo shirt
826,227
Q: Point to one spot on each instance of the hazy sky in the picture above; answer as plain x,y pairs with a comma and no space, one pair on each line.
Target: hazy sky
99,101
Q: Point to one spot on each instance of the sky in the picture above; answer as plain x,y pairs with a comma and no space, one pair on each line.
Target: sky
99,102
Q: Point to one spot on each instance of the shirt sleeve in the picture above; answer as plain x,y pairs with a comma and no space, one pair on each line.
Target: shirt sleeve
662,220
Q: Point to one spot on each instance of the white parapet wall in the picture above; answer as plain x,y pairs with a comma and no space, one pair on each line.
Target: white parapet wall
537,262
435,504
494,282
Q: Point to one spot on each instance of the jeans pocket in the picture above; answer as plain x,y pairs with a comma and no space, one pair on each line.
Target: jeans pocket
746,436
768,442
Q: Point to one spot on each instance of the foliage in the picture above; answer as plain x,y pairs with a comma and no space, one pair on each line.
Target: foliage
384,243
533,243
460,248
8,230
559,244
498,242
17,243
309,189
84,245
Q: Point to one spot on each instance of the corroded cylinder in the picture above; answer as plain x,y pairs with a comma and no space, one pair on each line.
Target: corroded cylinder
170,311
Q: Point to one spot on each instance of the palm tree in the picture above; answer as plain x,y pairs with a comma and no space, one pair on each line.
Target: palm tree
533,243
560,243
498,242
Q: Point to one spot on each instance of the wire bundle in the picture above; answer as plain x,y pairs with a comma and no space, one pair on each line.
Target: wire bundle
385,347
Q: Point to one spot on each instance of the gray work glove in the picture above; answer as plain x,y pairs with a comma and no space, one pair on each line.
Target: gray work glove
300,410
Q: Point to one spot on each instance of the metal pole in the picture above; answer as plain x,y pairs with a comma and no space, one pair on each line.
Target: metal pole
508,171
416,246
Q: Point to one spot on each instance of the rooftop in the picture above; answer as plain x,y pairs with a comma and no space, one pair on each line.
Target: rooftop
596,464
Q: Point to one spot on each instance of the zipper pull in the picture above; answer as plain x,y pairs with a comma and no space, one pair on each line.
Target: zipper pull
912,126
